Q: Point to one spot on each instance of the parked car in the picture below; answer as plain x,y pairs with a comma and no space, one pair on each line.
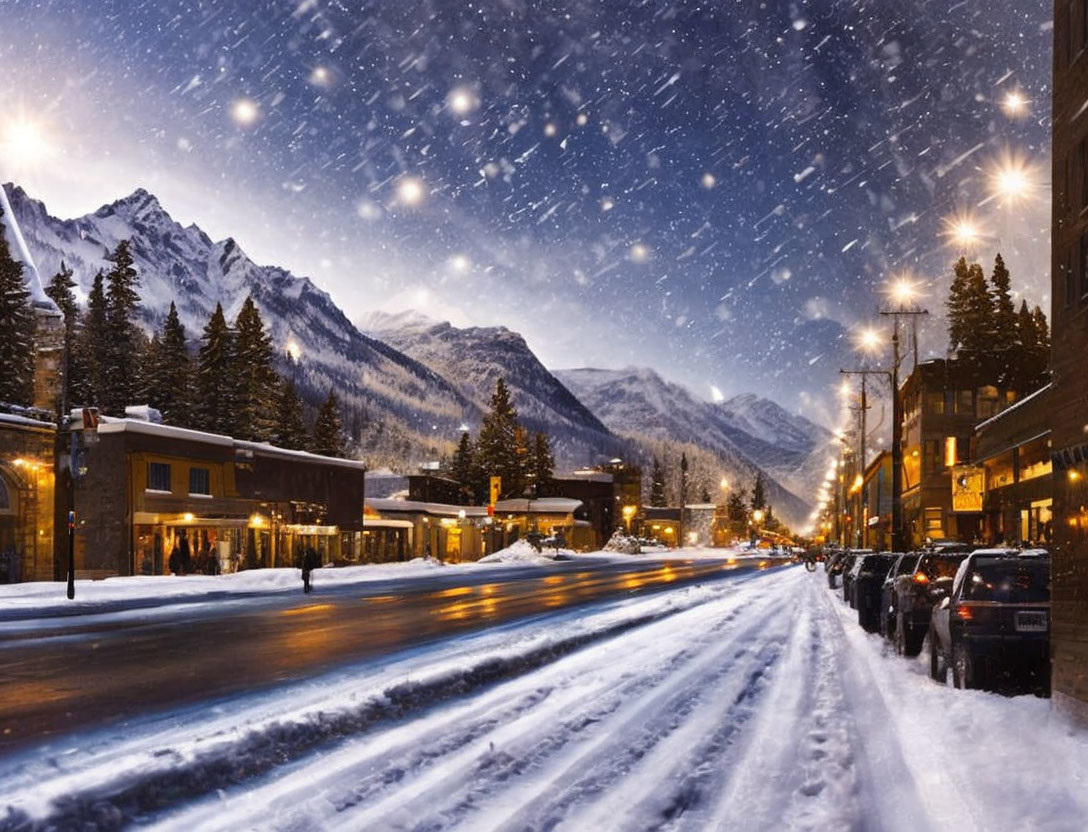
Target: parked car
848,573
904,565
867,578
993,630
836,567
918,593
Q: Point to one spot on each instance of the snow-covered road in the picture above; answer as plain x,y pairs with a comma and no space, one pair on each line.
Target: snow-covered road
750,703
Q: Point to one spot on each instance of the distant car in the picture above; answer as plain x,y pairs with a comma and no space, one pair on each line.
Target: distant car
993,630
917,593
868,577
904,565
848,574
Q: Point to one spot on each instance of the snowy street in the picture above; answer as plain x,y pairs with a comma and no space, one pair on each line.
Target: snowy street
750,702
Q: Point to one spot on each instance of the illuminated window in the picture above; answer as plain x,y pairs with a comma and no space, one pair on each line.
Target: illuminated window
949,451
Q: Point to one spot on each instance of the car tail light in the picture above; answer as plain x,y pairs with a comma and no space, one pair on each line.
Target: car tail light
921,578
965,612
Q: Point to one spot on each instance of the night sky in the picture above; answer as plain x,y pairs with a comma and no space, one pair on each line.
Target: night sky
718,190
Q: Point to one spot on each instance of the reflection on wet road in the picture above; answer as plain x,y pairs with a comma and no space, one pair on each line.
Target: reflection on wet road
91,672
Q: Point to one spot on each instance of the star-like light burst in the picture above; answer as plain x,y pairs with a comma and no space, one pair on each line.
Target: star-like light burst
24,144
245,112
1014,104
1013,180
963,231
639,253
410,191
462,100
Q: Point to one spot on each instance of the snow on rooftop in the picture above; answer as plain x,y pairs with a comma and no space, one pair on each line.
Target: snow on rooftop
109,425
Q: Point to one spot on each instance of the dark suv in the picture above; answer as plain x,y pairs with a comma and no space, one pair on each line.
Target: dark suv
867,576
848,572
994,628
904,565
917,593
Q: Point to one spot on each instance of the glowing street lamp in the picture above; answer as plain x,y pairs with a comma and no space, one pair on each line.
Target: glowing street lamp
869,340
758,515
1014,104
1012,180
963,231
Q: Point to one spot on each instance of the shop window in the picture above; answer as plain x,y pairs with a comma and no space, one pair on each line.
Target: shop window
988,402
965,402
935,403
158,476
931,462
934,520
200,481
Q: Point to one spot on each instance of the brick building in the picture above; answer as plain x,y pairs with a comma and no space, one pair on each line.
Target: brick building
146,490
943,401
1069,388
26,498
1012,451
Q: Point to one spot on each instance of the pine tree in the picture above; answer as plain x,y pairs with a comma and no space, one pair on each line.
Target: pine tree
1036,348
759,497
1004,311
683,480
16,330
256,381
213,408
289,430
657,485
60,292
169,372
978,315
542,464
736,506
957,304
121,359
328,436
91,345
497,446
461,466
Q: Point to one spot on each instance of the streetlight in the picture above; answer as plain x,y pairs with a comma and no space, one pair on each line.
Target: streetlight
964,231
1012,180
1014,104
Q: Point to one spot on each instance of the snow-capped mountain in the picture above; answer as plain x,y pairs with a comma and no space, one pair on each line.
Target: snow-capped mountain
403,399
793,449
638,403
475,357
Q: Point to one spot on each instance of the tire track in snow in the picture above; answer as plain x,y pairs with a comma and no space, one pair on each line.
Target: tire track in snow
518,756
395,759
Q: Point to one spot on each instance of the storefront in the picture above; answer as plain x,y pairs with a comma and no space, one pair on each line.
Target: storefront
183,501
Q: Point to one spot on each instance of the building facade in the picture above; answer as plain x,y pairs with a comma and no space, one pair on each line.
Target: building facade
875,505
150,499
1012,455
27,484
943,401
1069,346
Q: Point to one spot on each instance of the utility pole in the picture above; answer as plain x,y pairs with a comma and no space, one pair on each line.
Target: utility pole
862,408
913,312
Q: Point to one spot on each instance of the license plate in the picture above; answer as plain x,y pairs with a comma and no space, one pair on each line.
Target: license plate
1031,622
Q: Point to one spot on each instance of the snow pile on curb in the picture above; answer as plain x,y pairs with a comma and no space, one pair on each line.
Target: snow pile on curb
522,551
619,542
44,595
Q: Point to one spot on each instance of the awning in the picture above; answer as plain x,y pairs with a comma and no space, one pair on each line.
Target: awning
382,523
1013,446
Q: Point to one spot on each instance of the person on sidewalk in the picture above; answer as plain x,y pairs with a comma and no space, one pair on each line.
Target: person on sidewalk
311,560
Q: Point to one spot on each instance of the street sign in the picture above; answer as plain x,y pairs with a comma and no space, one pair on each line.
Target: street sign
968,487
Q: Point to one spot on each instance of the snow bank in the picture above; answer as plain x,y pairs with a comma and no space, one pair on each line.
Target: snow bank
521,551
49,596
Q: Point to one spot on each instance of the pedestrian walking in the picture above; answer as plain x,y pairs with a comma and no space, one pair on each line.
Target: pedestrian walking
311,560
